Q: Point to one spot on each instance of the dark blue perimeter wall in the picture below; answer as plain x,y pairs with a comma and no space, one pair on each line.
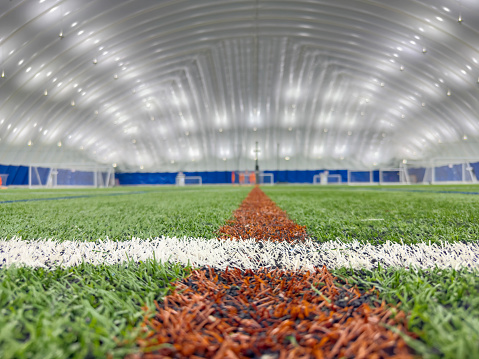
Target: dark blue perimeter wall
18,175
221,177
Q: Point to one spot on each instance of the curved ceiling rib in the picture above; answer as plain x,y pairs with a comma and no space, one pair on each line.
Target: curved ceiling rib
193,85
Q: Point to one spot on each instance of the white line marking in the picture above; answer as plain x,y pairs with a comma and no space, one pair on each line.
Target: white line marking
243,253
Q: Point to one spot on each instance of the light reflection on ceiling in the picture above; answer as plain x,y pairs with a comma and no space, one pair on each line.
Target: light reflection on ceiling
150,85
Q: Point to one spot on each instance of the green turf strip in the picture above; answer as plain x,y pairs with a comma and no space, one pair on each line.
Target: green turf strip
443,306
348,213
167,211
81,312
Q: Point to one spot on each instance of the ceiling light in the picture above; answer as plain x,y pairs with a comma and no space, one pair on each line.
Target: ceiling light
460,19
59,144
114,165
45,92
287,158
449,92
424,50
95,61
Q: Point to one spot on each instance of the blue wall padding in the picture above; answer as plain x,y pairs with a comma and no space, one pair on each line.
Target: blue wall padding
17,175
446,173
418,173
390,176
361,176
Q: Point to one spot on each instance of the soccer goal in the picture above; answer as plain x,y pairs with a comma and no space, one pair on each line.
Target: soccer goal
266,179
326,178
243,177
442,171
70,176
183,180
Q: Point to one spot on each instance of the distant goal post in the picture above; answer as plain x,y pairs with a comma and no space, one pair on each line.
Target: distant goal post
70,176
249,178
325,178
183,180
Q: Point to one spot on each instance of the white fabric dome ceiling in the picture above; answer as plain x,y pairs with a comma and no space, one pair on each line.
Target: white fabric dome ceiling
192,85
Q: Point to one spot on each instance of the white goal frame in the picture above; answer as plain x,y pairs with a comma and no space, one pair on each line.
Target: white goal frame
102,176
182,180
323,179
263,176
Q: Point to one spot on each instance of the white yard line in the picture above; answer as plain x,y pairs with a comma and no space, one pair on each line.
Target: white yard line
240,254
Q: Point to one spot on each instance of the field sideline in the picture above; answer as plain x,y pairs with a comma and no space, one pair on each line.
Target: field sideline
95,257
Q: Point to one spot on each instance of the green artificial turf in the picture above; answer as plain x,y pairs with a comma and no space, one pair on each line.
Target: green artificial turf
81,312
120,214
443,306
92,311
379,214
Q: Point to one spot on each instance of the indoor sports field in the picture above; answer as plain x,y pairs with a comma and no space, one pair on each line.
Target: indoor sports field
133,271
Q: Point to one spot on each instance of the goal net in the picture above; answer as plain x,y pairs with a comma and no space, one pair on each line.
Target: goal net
326,178
442,171
75,175
183,180
266,179
243,177
249,178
